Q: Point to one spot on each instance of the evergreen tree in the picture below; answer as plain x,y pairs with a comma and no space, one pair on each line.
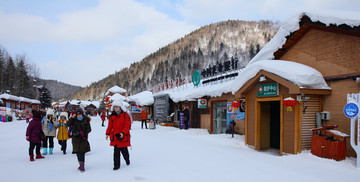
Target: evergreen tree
45,97
2,68
23,81
10,75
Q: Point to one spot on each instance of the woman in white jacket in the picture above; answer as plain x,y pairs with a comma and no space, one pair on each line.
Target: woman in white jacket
49,122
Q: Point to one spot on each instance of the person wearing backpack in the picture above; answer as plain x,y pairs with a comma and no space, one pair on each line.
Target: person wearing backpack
119,132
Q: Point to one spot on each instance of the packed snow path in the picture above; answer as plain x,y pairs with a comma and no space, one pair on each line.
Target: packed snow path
165,154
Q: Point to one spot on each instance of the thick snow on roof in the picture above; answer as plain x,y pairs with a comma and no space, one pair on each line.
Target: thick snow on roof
87,103
117,97
9,97
299,74
144,98
292,24
115,89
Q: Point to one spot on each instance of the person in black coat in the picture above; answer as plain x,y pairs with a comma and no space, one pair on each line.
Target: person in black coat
186,116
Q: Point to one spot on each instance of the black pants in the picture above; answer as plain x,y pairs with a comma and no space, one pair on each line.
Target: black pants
125,153
186,123
51,142
63,144
142,123
81,156
32,146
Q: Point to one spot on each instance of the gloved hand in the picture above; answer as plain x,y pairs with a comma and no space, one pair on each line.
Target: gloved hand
119,136
27,138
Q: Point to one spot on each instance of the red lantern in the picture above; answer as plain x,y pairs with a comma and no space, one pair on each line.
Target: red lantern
289,103
236,104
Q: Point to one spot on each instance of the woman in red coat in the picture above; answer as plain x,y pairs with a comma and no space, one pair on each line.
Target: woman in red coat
119,132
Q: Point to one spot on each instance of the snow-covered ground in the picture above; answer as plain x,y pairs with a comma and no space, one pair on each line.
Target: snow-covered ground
166,154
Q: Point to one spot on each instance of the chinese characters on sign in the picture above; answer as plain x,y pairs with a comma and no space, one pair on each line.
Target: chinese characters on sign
270,89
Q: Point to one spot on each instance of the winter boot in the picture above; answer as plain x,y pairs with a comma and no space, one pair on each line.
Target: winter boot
31,157
51,150
44,151
81,167
39,156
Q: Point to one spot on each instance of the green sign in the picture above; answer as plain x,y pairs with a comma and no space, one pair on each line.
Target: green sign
196,78
270,89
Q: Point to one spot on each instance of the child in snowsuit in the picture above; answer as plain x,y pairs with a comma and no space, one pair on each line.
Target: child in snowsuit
49,123
34,135
62,135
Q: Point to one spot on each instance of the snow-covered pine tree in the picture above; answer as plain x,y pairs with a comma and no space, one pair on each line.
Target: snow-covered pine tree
45,97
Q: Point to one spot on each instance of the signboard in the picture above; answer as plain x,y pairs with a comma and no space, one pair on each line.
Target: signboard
233,113
196,78
135,109
266,90
202,103
351,110
161,107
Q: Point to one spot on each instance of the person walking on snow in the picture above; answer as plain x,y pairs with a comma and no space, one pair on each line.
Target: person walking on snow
144,114
80,130
49,122
62,135
27,116
34,135
103,117
119,131
186,116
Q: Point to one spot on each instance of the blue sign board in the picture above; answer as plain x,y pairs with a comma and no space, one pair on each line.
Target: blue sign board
351,110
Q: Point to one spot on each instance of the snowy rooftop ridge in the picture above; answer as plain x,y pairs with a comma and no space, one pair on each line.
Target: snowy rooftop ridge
115,89
144,98
18,99
292,24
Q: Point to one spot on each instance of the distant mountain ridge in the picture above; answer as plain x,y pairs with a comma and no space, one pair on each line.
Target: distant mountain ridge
59,89
206,46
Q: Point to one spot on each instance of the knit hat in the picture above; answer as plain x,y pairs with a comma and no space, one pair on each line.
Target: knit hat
36,114
79,110
118,103
50,112
64,114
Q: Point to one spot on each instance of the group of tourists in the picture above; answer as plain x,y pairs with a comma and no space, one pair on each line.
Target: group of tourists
42,129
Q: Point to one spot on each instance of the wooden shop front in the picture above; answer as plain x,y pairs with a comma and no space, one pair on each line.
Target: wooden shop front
268,123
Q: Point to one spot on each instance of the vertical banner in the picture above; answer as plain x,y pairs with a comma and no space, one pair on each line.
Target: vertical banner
182,120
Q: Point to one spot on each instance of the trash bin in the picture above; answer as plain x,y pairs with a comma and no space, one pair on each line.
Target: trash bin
328,143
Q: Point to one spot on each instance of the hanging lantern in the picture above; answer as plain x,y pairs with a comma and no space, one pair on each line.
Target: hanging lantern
289,103
236,104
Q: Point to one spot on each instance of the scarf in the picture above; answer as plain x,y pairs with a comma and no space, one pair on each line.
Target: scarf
81,118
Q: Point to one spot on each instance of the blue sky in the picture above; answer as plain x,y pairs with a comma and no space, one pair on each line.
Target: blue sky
83,41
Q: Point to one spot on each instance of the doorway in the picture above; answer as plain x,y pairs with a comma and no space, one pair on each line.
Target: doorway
270,125
219,117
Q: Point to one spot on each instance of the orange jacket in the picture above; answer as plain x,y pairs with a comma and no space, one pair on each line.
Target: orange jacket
144,114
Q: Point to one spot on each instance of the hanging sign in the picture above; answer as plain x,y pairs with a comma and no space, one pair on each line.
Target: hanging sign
202,103
266,90
196,78
351,110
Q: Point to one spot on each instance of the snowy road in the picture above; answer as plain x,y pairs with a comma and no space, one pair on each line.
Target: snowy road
166,154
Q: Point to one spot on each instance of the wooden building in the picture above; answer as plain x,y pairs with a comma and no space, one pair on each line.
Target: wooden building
334,51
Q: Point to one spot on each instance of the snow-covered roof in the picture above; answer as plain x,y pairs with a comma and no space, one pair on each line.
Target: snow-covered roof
292,24
115,89
9,97
304,77
23,99
117,97
144,98
33,101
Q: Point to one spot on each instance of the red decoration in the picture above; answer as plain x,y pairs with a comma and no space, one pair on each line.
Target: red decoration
289,103
236,104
